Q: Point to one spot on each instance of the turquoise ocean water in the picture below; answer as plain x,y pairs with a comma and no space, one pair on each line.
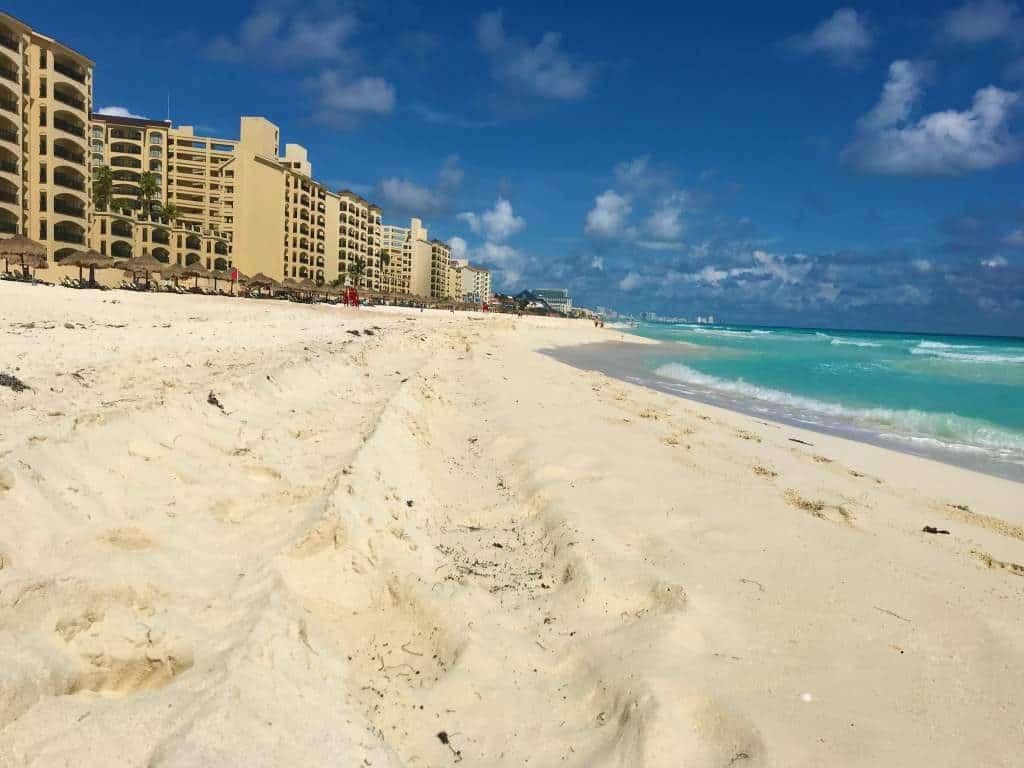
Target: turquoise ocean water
960,398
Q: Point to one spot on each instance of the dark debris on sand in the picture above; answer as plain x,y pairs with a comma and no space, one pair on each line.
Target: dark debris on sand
13,382
212,400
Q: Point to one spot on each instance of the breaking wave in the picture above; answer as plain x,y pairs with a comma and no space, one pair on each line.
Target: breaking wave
949,428
967,353
854,343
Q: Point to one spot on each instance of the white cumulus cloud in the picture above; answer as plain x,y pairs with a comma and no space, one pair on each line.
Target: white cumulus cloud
949,142
665,224
631,281
342,99
544,69
458,246
277,38
980,21
609,215
409,197
119,112
497,224
844,37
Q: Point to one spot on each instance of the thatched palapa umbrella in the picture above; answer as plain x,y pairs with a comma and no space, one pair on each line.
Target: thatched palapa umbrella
195,270
144,265
23,250
220,274
90,260
174,272
261,281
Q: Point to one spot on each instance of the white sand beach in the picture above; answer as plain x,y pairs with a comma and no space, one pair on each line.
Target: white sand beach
255,533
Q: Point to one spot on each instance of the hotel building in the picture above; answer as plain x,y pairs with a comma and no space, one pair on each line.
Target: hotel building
396,259
237,202
132,226
408,254
440,264
45,103
474,283
360,235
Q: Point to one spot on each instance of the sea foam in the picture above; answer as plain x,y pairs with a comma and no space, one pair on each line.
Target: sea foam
949,428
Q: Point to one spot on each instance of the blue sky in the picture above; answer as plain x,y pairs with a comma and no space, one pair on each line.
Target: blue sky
851,166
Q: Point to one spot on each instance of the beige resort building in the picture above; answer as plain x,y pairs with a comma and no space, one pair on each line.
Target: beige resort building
45,103
470,283
440,261
408,253
131,147
240,202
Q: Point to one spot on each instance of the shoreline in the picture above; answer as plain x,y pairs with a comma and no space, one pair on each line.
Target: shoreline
388,525
606,357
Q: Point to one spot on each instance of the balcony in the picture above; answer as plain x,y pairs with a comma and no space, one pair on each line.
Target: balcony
9,43
8,166
69,99
9,73
70,72
64,125
69,209
125,149
8,135
8,104
8,196
68,182
69,234
66,154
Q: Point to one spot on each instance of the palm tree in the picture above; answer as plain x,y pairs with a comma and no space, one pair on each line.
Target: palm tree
169,211
124,203
356,270
102,186
149,188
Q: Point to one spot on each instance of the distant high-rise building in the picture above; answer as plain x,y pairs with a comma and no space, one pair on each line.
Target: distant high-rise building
557,298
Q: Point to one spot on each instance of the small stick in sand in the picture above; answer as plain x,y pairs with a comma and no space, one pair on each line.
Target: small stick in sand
894,615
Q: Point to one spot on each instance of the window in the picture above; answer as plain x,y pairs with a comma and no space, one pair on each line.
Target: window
42,230
42,201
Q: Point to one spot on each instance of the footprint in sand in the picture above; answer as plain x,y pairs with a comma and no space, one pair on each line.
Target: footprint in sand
764,472
143,449
262,473
995,564
6,480
130,538
834,513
